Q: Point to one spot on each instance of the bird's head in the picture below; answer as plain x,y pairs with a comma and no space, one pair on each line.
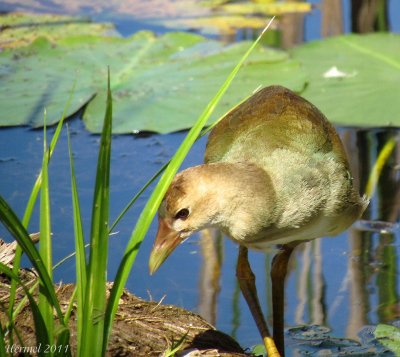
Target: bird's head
186,208
236,198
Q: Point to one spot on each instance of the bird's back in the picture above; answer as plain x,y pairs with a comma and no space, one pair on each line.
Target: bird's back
273,118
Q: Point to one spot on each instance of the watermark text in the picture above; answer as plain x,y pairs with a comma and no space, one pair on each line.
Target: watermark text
40,348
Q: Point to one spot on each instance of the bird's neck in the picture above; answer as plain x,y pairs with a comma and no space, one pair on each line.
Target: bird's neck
242,197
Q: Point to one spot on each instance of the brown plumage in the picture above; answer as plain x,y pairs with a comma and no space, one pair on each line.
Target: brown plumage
275,172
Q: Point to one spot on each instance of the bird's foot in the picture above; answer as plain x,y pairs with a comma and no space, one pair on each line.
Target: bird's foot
269,344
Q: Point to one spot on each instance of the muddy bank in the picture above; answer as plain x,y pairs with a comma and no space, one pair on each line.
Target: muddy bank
141,328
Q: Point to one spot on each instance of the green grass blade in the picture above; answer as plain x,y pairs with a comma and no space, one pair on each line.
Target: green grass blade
95,297
138,194
389,336
40,326
69,256
380,162
54,140
63,345
18,231
2,342
45,248
10,326
22,302
81,274
155,199
32,200
68,312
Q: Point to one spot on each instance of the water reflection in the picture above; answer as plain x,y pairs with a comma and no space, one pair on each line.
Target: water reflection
311,286
358,272
331,18
328,18
210,274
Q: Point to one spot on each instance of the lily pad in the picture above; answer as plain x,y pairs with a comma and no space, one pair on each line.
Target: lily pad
226,18
159,83
21,29
354,79
216,24
318,340
36,77
389,336
270,8
15,19
167,93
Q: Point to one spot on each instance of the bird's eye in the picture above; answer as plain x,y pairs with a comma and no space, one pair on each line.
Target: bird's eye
182,214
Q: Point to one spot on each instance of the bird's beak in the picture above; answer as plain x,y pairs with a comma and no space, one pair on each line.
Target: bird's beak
167,240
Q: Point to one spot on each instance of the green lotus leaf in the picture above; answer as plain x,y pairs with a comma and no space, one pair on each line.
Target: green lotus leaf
389,336
226,18
162,84
21,29
215,24
354,79
159,84
40,76
267,8
166,93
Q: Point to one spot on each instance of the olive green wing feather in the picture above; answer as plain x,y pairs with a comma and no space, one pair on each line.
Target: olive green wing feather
273,118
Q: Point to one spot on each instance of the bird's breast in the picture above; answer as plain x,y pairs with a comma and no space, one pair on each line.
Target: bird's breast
319,226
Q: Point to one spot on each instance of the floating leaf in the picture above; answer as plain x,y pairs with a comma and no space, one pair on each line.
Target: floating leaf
159,83
389,336
365,89
220,24
167,94
270,8
21,29
21,19
41,75
106,9
228,18
316,340
212,3
259,350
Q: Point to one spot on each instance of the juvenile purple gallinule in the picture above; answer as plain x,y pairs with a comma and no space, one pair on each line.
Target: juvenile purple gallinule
275,174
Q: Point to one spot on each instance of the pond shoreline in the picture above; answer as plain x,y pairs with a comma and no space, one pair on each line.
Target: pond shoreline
145,328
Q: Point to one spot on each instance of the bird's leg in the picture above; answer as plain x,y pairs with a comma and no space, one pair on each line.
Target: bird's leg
278,275
247,283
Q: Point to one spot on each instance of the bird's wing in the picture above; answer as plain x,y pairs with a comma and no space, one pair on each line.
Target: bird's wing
273,118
